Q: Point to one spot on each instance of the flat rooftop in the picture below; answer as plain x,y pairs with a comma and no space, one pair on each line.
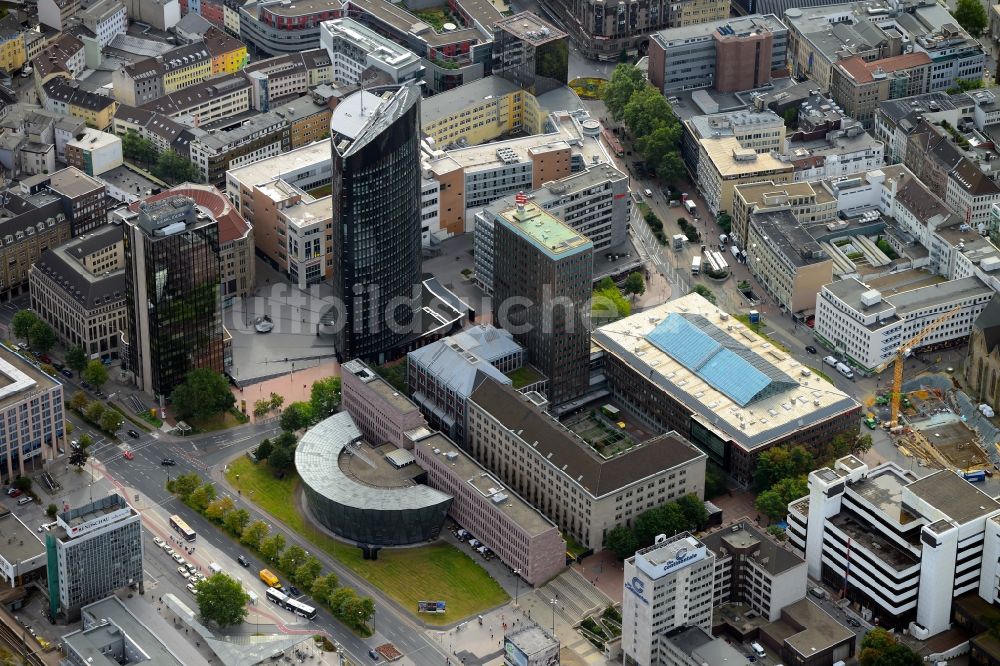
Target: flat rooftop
530,28
883,489
819,630
782,395
546,232
89,643
378,47
677,36
785,233
382,388
371,466
953,496
772,556
761,193
723,153
22,543
906,299
487,485
293,161
20,379
72,182
457,100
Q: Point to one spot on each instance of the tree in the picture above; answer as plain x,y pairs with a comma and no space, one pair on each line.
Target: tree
323,586
23,323
296,416
95,374
285,440
291,558
79,401
221,600
324,397
111,420
218,508
363,609
670,168
774,502
79,457
725,222
200,498
203,393
781,462
253,534
862,444
277,401
95,411
51,510
621,541
964,85
635,284
86,440
873,645
694,511
261,407
791,117
172,166
281,459
625,80
899,655
42,337
184,485
607,302
235,521
667,519
777,532
307,572
341,600
705,292
23,484
971,16
272,546
715,480
263,449
646,111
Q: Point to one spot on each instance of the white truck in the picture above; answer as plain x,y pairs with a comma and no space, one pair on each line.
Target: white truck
695,265
845,370
689,206
214,566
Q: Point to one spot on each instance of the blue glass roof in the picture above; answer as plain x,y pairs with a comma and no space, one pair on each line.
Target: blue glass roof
728,367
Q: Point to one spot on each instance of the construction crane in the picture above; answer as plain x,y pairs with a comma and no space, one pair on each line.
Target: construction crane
900,358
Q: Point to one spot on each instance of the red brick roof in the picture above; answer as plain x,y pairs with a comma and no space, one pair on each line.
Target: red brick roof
231,223
861,71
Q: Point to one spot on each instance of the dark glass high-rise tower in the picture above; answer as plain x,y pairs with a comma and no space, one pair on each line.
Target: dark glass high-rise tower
376,221
172,281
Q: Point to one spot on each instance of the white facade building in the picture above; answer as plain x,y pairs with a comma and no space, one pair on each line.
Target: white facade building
874,531
106,19
667,585
857,321
353,48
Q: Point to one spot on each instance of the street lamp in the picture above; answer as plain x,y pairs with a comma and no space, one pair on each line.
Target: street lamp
517,585
553,603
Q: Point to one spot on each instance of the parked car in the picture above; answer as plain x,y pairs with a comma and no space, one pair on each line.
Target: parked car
810,349
854,623
244,562
66,372
158,541
14,492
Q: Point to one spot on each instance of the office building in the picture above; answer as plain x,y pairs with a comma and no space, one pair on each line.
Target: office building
753,568
760,131
274,28
379,411
806,633
842,151
543,279
112,635
94,152
866,326
216,99
31,416
82,198
34,223
523,538
232,144
106,19
561,475
161,14
858,86
173,281
479,112
442,375
94,550
787,262
688,367
808,202
355,49
237,266
531,53
693,646
723,164
872,531
734,53
594,202
667,585
22,559
79,289
284,77
376,201
308,120
530,645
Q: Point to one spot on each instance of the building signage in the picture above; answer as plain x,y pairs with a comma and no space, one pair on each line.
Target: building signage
97,523
637,587
682,557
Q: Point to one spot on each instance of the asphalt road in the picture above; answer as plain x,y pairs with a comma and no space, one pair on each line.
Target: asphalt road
202,453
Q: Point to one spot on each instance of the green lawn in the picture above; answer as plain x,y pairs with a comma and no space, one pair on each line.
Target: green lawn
217,422
524,376
322,191
435,572
435,17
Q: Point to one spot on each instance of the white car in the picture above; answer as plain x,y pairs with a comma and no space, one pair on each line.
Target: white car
178,558
159,542
185,575
190,587
182,571
168,550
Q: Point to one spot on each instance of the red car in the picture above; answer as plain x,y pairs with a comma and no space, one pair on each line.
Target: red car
15,492
128,455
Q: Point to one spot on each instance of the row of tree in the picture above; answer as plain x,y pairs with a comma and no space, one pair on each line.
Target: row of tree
881,648
203,393
656,130
302,568
97,413
685,513
167,165
38,335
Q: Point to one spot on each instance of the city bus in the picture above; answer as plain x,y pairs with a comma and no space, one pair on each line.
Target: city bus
286,602
613,143
182,528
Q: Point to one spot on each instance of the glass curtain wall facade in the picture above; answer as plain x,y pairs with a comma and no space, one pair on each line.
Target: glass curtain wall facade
376,228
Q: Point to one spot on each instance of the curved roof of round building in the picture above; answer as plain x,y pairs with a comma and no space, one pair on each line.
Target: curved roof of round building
318,462
231,224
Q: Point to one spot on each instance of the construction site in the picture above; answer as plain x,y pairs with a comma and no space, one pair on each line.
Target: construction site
931,431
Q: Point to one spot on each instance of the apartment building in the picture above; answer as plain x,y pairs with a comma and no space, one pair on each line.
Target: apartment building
161,14
157,128
106,19
232,145
288,76
563,477
734,398
34,224
723,164
94,550
841,152
738,53
79,289
237,266
478,112
63,58
442,375
971,193
667,585
354,49
381,413
94,152
67,98
82,198
859,86
866,326
896,119
32,421
872,531
308,120
13,53
524,539
56,13
218,98
787,262
808,202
